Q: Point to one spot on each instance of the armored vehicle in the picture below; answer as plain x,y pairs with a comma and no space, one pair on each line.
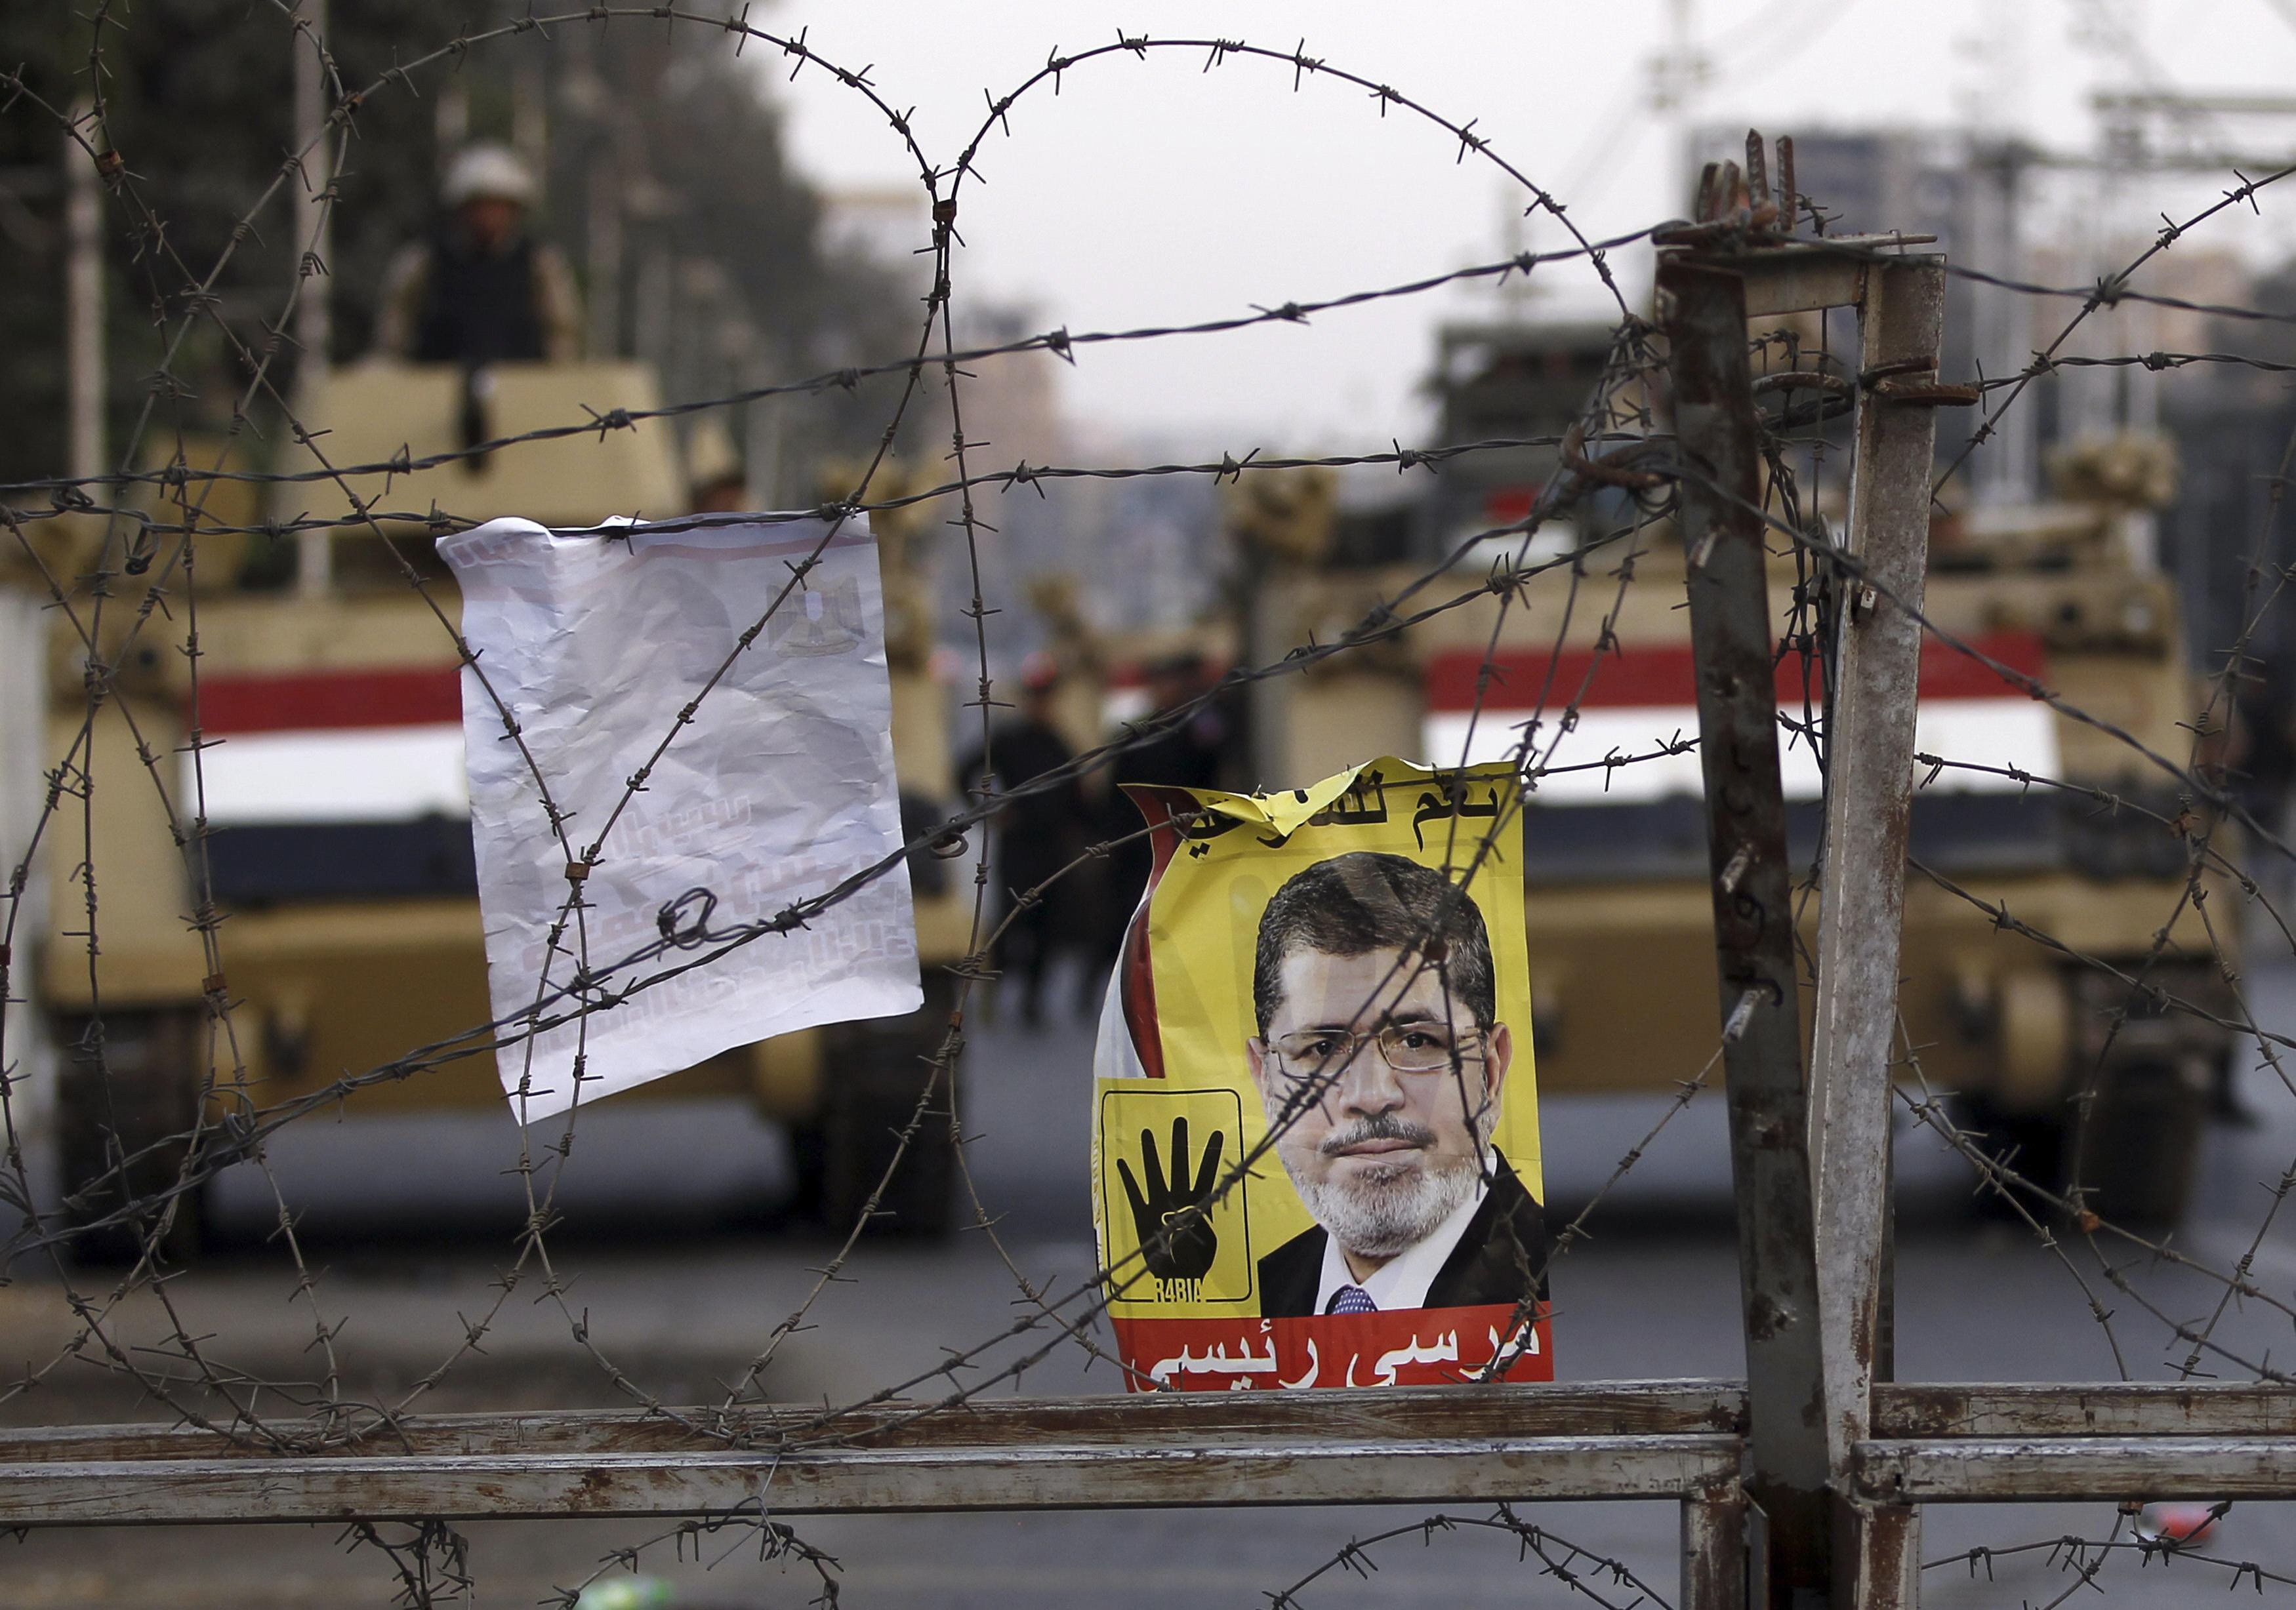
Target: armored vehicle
342,862
2025,1036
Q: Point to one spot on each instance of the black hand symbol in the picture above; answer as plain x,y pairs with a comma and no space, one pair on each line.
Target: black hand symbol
1176,1240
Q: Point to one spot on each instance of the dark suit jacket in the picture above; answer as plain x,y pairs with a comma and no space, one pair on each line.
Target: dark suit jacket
1502,1246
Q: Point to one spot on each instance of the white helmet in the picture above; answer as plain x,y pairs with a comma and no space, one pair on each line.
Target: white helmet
488,171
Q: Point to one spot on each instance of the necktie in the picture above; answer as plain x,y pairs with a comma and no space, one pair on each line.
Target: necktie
1351,1299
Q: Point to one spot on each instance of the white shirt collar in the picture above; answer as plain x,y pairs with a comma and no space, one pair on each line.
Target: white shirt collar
1402,1281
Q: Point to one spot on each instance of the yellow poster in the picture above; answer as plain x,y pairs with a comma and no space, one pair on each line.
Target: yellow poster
1316,1135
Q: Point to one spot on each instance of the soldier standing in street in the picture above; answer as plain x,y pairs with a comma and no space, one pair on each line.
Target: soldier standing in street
1037,835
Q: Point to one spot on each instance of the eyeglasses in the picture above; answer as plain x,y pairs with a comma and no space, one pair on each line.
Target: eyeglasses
1408,1048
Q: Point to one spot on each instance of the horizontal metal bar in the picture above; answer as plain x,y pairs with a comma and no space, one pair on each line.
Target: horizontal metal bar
2075,1468
1622,1440
1810,274
828,1480
1416,1414
1926,1409
2155,100
1800,278
1794,281
2118,1408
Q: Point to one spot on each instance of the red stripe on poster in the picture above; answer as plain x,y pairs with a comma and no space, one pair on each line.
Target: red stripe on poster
1408,1347
1646,674
396,697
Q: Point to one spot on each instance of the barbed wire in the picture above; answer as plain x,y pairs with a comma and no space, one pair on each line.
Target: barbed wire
522,1161
430,1564
1228,468
1578,1569
2085,1557
1059,343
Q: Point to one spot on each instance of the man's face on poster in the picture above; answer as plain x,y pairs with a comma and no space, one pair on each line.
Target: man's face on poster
1385,1092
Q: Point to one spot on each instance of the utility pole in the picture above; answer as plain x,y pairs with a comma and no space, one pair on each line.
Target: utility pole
84,387
451,123
605,256
530,113
314,238
315,233
2007,473
1679,75
651,331
611,150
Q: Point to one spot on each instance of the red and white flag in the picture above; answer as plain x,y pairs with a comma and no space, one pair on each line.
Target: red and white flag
1634,703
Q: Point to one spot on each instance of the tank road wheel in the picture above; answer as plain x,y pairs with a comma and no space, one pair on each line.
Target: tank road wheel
143,1115
2139,1152
2127,1124
873,1074
2136,1161
2139,1158
2030,1145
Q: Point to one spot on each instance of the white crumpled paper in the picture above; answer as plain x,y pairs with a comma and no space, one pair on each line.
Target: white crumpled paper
781,786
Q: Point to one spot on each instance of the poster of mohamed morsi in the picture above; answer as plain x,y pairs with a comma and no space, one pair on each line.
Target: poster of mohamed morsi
1315,1128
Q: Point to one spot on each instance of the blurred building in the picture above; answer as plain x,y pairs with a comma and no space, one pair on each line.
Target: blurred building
2230,530
1967,195
889,224
2008,211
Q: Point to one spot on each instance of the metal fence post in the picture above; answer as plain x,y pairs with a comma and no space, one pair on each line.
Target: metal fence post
1872,694
1880,1555
1714,1551
1704,307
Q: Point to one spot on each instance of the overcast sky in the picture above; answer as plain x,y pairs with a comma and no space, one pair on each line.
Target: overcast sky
1155,191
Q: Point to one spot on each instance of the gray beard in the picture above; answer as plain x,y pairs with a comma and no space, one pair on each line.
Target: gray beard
1382,1213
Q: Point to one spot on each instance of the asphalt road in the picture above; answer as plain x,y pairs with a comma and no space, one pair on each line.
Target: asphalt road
674,1253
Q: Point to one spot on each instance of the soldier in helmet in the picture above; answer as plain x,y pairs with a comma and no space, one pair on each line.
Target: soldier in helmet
481,290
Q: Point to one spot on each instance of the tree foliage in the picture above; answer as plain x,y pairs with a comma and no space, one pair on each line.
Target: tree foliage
668,127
